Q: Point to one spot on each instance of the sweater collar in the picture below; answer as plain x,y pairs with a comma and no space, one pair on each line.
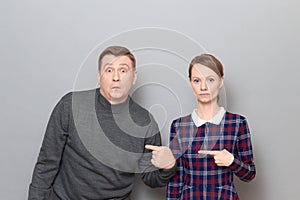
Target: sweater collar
114,108
215,120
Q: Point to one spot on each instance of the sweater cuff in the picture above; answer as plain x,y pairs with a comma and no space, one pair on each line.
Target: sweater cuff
168,173
38,193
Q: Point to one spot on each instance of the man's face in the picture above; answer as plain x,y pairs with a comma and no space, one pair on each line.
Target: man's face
116,77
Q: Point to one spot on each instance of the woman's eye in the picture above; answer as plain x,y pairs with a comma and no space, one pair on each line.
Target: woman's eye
196,81
211,80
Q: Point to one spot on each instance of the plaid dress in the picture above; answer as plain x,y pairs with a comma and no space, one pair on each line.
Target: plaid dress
197,176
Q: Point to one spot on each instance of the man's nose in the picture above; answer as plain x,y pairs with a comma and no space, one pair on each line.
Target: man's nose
116,76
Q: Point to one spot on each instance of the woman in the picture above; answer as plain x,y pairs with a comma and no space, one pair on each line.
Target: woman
210,144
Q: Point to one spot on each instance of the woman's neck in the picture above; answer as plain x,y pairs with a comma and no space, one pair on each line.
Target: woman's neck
207,111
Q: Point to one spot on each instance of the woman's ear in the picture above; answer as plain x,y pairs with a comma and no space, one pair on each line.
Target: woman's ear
222,81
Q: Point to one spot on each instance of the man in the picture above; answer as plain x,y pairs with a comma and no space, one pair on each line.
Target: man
96,140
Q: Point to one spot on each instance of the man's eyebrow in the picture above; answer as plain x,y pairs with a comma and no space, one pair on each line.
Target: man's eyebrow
106,64
124,64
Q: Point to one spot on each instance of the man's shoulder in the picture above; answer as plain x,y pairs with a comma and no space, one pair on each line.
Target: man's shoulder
137,108
140,114
81,93
77,97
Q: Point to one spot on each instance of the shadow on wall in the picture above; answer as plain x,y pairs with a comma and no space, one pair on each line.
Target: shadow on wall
143,192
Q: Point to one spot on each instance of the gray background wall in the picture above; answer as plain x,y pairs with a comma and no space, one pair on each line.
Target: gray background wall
49,48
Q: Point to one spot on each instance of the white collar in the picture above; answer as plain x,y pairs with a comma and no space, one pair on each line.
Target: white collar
215,120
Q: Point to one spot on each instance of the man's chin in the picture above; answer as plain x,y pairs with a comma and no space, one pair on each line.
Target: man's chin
116,95
117,98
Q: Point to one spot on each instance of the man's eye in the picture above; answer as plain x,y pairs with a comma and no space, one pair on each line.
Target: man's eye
211,80
196,81
123,70
109,70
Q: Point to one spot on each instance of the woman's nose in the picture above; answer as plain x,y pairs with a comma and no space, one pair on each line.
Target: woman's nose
203,85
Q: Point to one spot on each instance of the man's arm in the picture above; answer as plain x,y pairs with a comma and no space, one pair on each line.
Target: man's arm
49,158
159,175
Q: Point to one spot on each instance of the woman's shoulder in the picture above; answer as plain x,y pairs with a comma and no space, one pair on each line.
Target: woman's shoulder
183,119
234,116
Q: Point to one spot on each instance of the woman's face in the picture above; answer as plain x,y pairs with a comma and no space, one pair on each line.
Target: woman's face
205,83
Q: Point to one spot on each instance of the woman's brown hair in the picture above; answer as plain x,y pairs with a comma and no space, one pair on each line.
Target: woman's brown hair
209,61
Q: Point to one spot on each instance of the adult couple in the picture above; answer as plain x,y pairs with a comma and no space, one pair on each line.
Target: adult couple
97,140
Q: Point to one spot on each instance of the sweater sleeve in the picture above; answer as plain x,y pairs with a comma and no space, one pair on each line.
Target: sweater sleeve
151,175
176,183
243,164
51,151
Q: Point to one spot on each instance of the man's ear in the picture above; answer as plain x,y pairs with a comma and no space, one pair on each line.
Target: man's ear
134,77
98,77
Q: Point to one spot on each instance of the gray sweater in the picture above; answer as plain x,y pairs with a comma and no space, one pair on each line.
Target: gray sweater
92,150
